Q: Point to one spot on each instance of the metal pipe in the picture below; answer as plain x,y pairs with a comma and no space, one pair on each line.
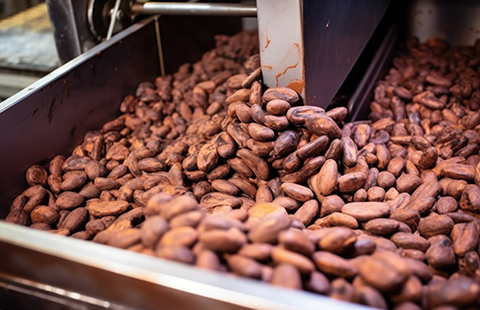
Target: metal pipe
196,9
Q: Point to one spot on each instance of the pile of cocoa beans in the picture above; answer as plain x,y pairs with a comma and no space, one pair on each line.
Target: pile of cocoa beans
208,167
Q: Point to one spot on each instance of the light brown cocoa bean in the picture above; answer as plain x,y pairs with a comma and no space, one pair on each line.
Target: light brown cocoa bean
386,180
44,214
257,251
282,93
459,292
470,199
342,220
337,240
73,180
382,274
423,205
223,241
313,148
297,192
410,241
383,156
327,178
180,236
411,291
177,205
277,123
286,275
292,163
342,290
244,266
298,115
175,253
125,238
207,157
330,204
446,205
335,149
75,162
75,220
365,211
106,208
56,164
69,200
260,133
375,193
239,134
282,256
440,254
349,158
285,144
36,175
264,194
318,283
242,94
434,225
215,199
240,166
407,183
321,124
382,226
307,212
260,148
334,265
152,230
246,187
268,229
465,238
351,182
207,260
278,107
259,167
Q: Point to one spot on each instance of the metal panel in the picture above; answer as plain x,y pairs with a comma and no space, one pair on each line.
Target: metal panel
336,32
51,116
359,103
281,43
132,280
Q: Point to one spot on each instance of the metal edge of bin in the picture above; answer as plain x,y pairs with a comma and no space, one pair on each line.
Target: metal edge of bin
52,115
139,281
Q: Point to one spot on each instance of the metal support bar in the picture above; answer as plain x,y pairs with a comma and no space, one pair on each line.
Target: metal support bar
196,9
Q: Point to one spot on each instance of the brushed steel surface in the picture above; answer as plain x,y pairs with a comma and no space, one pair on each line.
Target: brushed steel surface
139,281
197,9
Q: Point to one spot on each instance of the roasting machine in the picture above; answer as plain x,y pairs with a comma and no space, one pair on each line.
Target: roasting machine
322,49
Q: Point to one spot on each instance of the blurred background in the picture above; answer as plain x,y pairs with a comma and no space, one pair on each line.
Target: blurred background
27,45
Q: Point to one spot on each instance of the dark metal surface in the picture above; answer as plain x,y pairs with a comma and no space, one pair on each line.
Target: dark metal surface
359,102
335,33
99,17
52,115
126,279
196,9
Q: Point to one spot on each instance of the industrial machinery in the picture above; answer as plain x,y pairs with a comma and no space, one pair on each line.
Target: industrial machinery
330,46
